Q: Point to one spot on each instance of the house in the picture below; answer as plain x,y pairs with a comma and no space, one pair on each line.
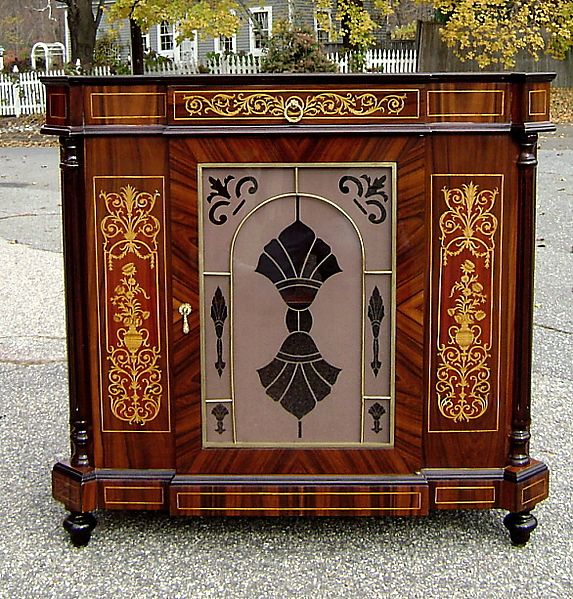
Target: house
256,26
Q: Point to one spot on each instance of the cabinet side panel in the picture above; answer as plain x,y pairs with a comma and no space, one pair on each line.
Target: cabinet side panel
471,190
128,206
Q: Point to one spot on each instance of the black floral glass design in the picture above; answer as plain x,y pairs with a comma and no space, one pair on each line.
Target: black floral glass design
375,315
218,316
377,411
298,263
224,194
367,197
220,411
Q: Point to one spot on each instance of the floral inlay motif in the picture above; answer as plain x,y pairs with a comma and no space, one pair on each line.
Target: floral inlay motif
463,374
129,227
468,224
134,377
294,107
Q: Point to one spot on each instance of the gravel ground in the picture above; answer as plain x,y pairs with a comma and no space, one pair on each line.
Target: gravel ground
448,554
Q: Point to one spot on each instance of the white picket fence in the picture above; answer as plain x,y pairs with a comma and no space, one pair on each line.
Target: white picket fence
23,93
233,64
383,60
172,68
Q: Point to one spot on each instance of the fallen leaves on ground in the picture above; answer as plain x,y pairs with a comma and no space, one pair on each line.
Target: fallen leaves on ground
24,131
562,105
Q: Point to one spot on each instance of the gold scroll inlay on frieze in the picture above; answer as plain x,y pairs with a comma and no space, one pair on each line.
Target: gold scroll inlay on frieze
293,107
467,236
134,377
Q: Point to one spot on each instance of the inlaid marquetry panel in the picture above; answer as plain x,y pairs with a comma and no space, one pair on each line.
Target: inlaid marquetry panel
296,105
130,244
464,386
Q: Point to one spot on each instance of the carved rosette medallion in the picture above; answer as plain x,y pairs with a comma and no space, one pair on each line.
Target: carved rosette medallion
468,229
296,106
131,368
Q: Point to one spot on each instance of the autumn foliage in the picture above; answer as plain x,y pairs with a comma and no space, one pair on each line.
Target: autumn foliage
494,31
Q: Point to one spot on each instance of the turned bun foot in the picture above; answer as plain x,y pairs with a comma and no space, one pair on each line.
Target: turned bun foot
520,526
79,526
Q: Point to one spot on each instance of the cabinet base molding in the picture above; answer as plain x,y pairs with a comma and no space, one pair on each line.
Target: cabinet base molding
515,489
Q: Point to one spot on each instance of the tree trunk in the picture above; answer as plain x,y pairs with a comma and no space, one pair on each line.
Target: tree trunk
82,25
136,48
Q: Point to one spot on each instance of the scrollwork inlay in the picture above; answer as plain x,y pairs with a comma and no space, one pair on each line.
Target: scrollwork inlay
293,107
134,377
468,224
129,227
463,374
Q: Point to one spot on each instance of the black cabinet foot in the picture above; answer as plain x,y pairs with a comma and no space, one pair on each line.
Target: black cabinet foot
520,526
79,526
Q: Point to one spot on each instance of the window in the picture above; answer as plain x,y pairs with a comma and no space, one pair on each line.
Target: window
187,51
146,42
224,44
322,26
166,43
260,28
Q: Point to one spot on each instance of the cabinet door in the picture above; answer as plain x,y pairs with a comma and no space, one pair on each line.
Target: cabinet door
292,268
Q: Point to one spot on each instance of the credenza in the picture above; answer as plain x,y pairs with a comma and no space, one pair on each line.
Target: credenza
294,295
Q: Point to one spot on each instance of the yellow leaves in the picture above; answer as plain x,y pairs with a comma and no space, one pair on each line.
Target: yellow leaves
494,31
212,18
488,31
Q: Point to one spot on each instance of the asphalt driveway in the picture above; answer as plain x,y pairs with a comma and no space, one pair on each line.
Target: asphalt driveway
448,554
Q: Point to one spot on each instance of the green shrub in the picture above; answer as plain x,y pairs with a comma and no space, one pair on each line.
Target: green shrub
295,50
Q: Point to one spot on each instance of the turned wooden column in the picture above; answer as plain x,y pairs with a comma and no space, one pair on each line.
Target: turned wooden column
77,301
523,324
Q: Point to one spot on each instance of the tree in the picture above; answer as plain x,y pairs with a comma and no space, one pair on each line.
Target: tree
295,50
489,31
222,17
494,31
83,23
208,17
23,24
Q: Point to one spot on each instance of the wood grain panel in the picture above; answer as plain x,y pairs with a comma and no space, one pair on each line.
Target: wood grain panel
115,105
460,449
409,154
136,495
121,162
57,105
288,500
483,103
448,496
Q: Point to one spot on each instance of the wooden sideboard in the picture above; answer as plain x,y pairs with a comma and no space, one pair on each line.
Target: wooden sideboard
299,294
